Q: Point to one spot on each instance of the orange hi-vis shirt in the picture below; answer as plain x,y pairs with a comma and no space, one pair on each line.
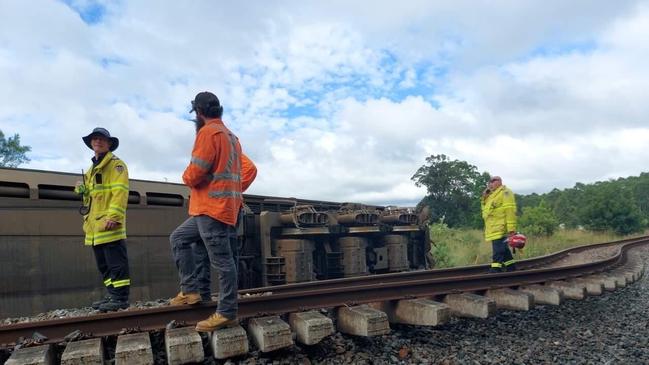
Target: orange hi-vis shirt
248,172
218,173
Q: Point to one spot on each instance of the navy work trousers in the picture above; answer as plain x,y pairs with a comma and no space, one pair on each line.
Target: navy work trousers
501,254
112,262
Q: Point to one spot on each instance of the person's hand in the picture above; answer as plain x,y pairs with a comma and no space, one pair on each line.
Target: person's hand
110,225
79,187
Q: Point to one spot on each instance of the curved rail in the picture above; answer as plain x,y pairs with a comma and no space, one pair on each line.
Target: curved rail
447,274
342,292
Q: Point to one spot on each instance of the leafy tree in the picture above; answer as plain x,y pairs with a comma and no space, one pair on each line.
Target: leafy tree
640,187
12,153
538,221
454,189
609,206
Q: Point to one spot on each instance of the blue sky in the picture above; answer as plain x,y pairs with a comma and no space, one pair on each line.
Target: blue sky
91,12
333,101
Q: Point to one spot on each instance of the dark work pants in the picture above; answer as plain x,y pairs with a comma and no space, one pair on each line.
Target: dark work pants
501,255
112,262
221,246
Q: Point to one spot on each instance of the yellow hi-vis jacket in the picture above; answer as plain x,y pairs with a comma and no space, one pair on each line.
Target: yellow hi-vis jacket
106,190
498,213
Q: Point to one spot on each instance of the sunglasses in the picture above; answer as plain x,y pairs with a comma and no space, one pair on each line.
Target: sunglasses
494,180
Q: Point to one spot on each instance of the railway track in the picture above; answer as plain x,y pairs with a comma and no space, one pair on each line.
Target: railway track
456,287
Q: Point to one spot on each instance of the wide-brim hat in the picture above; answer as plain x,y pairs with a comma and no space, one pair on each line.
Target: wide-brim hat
104,133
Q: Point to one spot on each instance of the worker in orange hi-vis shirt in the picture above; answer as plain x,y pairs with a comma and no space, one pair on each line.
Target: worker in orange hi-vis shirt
202,272
217,175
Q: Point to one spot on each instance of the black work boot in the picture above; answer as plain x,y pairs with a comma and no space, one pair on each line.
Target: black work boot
113,305
494,270
98,303
510,268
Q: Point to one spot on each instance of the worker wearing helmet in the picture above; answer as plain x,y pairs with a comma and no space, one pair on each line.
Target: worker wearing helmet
105,196
499,214
217,177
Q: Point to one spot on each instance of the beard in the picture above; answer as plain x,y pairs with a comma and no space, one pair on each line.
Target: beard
199,122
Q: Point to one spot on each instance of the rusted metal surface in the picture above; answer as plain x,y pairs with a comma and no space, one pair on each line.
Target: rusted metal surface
338,230
298,259
398,216
304,216
441,274
349,216
344,293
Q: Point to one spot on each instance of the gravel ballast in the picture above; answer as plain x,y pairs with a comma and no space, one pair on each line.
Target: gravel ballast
609,329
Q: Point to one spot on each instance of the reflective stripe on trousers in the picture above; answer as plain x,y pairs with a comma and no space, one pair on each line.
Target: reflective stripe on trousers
501,253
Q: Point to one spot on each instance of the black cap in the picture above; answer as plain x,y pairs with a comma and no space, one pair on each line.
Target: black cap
204,101
101,132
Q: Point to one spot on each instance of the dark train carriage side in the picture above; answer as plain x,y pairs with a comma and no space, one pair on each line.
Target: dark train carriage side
44,265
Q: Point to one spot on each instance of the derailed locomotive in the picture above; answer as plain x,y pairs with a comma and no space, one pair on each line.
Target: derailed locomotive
282,240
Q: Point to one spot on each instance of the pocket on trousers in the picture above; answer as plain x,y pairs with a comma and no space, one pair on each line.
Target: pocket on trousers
218,244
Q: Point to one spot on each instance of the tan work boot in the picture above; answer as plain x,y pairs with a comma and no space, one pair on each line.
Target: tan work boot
214,322
182,298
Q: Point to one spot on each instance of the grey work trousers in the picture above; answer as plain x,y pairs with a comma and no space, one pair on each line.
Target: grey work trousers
221,244
202,270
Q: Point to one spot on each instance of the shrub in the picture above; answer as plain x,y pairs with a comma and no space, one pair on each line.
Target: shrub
538,221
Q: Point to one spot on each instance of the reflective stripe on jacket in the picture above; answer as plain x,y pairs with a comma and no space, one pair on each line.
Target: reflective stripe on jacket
498,213
215,173
248,172
107,193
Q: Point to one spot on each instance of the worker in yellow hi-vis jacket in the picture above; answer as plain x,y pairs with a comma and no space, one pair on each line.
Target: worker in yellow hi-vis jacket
499,214
105,197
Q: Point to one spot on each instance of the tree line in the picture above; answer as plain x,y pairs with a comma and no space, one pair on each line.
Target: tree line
454,188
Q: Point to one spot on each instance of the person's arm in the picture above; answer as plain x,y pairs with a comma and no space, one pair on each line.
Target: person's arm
248,172
484,209
509,204
118,195
203,156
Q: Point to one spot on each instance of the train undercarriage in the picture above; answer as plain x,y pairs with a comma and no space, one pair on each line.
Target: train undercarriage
282,240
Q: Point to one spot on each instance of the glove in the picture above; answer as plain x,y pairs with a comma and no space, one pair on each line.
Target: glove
81,189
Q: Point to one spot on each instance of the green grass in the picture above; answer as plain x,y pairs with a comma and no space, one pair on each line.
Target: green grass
461,247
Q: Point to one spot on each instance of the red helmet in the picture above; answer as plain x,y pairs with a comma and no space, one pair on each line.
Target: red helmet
517,241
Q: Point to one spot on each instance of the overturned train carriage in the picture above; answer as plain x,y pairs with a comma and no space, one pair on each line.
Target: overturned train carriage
43,264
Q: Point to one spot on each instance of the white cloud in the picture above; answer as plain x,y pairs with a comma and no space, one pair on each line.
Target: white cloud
332,103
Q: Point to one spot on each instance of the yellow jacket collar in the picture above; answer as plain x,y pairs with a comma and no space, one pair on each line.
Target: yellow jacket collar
104,161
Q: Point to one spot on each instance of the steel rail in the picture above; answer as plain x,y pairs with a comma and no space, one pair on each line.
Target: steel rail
309,298
435,273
